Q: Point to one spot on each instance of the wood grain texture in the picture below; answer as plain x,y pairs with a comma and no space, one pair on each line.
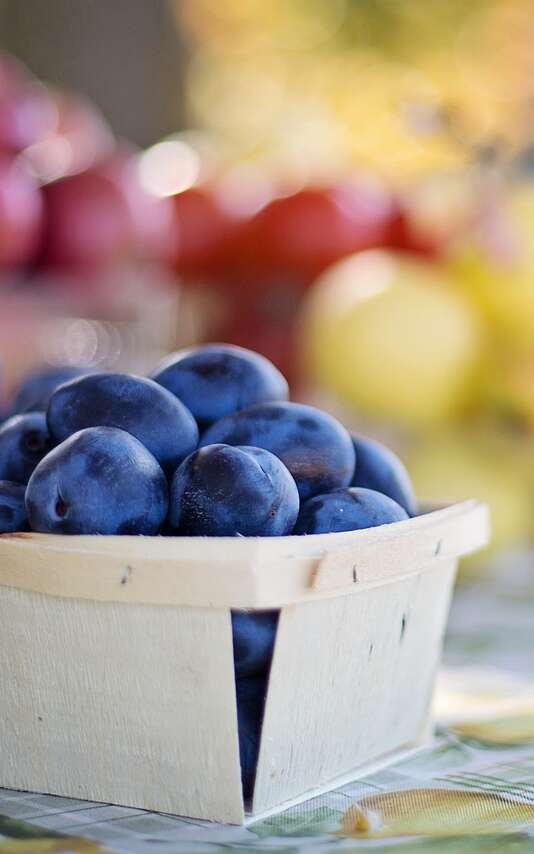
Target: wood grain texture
128,704
351,680
237,572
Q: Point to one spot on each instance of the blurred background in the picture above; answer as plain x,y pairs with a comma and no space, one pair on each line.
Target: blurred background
346,186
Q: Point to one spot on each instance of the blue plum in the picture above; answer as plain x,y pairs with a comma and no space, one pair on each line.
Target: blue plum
349,509
35,391
219,379
254,633
224,491
12,507
140,406
99,481
24,441
380,469
316,448
250,693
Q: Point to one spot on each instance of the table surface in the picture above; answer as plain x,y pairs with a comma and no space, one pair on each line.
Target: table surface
477,777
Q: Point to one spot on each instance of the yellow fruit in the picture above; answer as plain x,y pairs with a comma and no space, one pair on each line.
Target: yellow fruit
458,465
389,335
503,295
495,269
510,388
499,283
519,208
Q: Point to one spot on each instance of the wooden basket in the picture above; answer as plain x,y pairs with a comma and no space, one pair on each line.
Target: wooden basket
117,661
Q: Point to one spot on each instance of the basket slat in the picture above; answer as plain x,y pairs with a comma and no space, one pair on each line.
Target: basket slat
127,704
365,664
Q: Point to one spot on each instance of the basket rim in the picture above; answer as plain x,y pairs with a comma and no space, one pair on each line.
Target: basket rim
240,572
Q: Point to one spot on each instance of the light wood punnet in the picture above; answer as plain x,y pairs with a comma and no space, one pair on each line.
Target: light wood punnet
117,662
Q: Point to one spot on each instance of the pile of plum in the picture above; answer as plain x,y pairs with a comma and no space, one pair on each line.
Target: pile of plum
208,446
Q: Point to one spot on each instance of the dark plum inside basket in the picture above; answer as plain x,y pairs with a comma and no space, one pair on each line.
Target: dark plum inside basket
254,635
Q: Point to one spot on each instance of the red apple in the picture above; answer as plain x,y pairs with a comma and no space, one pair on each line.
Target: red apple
206,228
21,214
87,226
305,232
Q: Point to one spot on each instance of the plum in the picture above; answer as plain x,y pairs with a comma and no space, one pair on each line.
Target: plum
254,634
36,389
218,380
135,404
250,694
380,469
12,507
349,509
101,480
232,491
24,441
314,446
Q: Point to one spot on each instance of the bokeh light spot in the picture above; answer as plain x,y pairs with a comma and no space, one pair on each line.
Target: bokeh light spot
169,167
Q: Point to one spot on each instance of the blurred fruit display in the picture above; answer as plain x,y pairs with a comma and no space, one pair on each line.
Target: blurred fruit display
85,243
356,203
431,333
389,334
258,264
442,347
103,216
72,198
313,87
